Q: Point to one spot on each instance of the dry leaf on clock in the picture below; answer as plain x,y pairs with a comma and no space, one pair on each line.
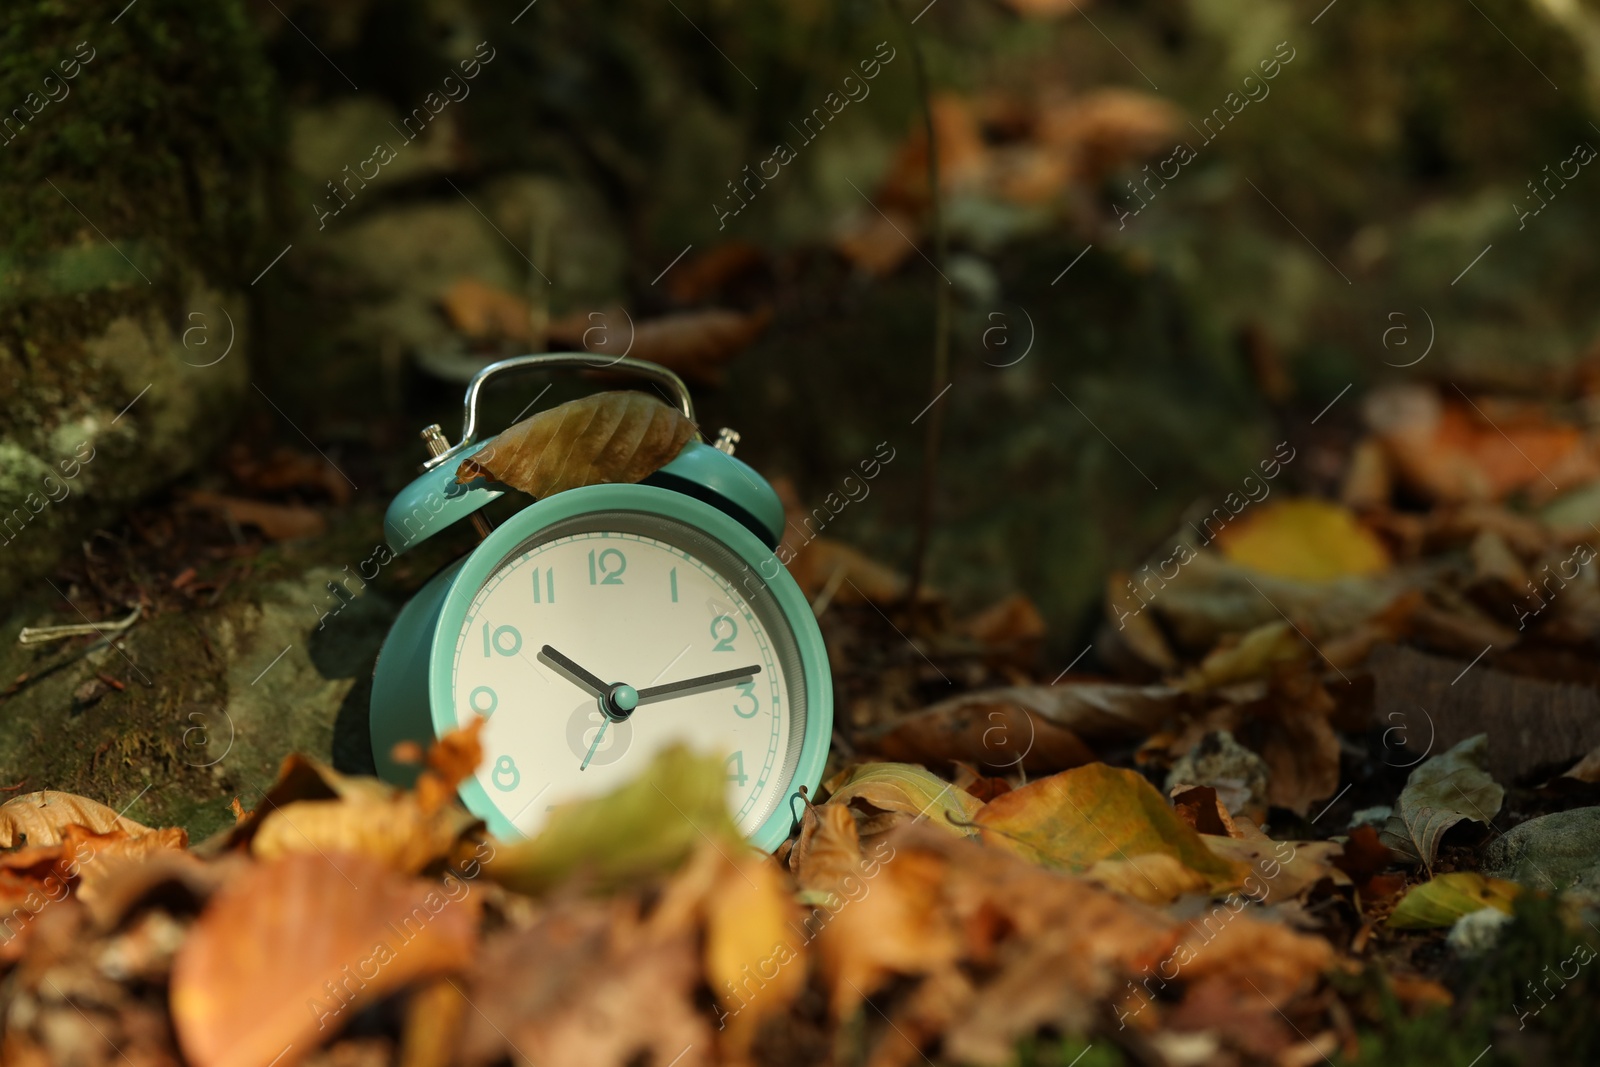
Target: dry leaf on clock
607,437
42,818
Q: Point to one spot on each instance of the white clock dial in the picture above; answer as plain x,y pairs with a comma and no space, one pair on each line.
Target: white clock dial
644,602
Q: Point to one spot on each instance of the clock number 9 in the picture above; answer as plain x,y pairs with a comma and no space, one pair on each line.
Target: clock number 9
718,625
608,575
747,691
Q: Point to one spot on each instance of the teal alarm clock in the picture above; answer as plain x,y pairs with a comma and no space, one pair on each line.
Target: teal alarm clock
599,625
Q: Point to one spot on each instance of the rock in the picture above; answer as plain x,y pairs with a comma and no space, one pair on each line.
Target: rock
1237,774
213,699
1553,852
131,204
1477,932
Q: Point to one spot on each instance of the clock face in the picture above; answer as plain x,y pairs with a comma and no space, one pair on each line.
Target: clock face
635,602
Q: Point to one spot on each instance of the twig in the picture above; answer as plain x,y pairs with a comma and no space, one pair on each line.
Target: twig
35,635
941,322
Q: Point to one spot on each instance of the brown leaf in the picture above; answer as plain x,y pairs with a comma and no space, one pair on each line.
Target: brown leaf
1042,728
1154,878
451,760
907,791
334,932
277,522
587,984
1298,741
1279,870
829,849
823,563
607,437
41,818
485,313
693,344
703,275
1012,625
1199,806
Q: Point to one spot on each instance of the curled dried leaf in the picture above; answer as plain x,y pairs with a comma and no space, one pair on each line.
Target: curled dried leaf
607,437
40,818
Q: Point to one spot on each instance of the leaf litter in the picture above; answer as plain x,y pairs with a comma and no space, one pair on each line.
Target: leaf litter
983,868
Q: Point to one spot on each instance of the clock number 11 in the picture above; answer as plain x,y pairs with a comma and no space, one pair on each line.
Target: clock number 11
549,585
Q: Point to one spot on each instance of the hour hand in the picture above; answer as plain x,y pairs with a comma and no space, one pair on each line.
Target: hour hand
575,672
655,692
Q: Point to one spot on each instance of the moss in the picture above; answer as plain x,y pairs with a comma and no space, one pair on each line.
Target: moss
163,139
1519,998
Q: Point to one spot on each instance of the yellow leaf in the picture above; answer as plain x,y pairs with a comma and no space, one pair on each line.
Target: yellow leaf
1253,656
1448,897
909,789
607,437
1077,818
1309,540
755,961
1155,878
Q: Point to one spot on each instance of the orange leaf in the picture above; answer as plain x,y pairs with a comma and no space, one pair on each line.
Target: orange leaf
336,932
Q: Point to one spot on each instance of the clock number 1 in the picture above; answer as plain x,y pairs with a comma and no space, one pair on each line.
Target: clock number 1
549,585
609,573
674,585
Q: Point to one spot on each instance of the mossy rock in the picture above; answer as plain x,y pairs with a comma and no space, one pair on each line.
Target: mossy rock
139,163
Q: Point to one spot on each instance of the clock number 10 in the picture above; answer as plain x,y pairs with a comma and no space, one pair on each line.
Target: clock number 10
505,640
611,565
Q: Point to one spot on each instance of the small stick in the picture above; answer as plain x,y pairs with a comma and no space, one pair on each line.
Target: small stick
37,635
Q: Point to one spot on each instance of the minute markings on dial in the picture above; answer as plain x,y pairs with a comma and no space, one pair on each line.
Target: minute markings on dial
656,691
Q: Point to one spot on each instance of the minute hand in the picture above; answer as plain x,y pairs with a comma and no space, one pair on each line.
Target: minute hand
657,691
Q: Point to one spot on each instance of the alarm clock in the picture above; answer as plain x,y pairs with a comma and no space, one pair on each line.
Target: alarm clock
599,625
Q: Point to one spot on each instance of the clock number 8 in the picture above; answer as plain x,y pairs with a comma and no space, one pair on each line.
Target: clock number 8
718,625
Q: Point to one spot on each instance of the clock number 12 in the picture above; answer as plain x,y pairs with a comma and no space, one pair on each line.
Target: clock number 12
610,573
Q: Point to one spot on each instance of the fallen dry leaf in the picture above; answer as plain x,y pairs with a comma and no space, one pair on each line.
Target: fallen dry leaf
336,932
905,791
1079,817
1443,900
1041,728
1306,540
607,437
693,344
277,522
485,313
1446,789
1155,878
752,946
41,818
1450,449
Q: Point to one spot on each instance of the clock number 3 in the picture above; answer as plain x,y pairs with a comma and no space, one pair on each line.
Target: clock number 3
610,573
724,624
747,691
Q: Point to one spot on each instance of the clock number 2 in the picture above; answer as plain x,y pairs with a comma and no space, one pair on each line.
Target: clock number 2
747,691
718,625
737,775
609,574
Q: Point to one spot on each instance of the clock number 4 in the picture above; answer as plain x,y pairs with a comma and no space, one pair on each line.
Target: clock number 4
507,640
549,585
747,691
723,632
737,775
611,565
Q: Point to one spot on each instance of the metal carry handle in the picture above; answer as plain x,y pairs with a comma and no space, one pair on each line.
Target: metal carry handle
653,372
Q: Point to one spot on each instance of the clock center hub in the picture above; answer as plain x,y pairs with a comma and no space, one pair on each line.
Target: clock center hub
619,701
